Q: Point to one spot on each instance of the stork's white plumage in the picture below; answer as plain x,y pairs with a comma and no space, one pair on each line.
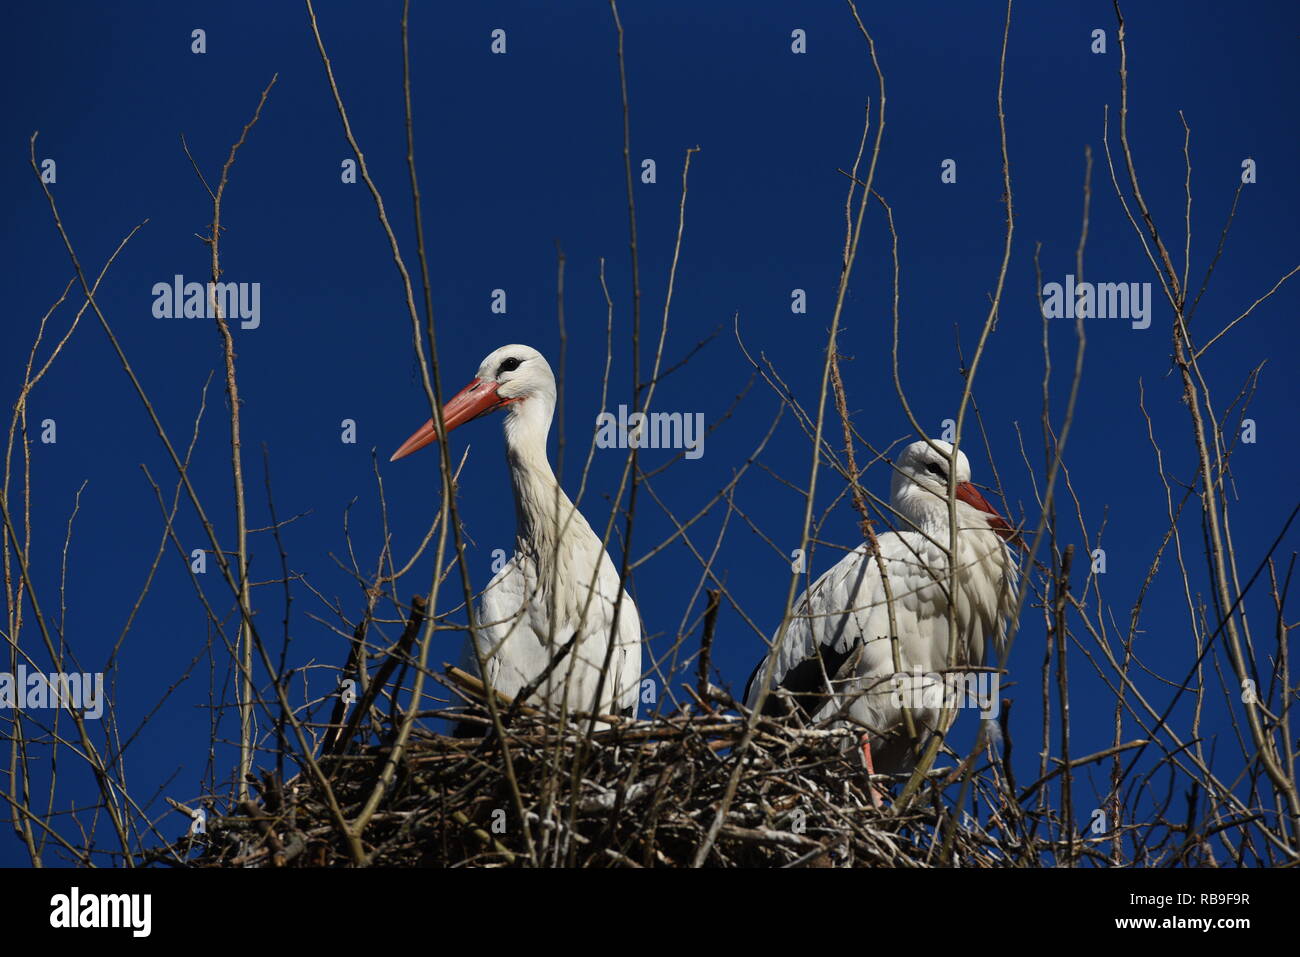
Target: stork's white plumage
543,597
842,620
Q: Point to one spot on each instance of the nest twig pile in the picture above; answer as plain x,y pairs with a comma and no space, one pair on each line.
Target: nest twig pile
640,794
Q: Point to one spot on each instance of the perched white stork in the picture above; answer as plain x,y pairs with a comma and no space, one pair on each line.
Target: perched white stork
842,620
542,604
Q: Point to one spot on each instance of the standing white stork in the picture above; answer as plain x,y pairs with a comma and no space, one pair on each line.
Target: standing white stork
842,620
542,603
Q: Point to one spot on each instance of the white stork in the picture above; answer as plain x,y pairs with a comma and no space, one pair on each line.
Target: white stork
541,604
842,620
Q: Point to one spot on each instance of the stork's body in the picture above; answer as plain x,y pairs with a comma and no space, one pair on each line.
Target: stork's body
837,657
557,595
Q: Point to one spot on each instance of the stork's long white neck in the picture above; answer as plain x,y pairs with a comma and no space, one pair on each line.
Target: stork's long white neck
541,507
918,510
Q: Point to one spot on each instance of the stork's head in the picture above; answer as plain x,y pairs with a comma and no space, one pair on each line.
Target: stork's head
920,489
517,378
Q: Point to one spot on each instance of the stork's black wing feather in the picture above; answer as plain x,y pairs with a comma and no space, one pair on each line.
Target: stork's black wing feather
806,681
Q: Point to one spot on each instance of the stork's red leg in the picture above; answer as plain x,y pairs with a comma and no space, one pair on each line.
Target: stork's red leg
866,759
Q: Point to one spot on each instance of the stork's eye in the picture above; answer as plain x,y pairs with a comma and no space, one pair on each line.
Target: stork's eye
509,365
934,468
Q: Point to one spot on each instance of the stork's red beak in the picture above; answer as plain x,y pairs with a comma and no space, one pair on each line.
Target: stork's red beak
478,398
968,493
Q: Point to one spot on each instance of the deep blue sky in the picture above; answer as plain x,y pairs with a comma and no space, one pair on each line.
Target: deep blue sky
518,151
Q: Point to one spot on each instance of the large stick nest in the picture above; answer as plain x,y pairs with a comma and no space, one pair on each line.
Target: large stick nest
644,793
